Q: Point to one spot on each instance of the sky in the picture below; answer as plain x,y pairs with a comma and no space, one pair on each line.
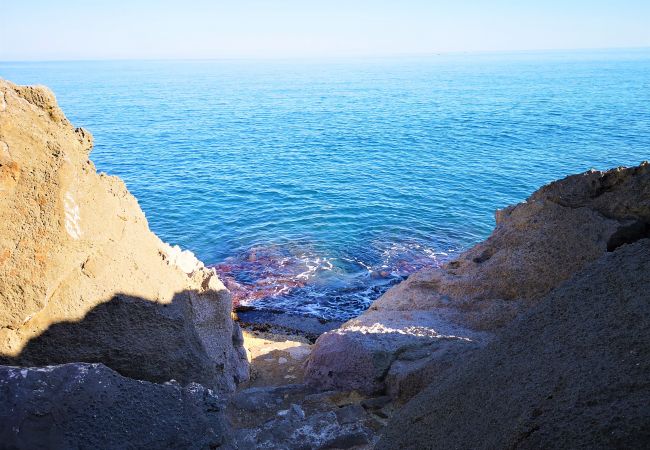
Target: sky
148,29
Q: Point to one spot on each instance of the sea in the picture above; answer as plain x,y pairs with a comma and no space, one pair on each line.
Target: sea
312,186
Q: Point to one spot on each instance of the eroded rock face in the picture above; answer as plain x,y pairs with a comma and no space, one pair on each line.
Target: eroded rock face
81,276
90,406
572,372
535,246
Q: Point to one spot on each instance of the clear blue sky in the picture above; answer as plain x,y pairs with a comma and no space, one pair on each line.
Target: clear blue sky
75,29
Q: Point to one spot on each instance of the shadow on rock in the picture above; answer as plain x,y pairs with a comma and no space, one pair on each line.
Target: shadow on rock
184,340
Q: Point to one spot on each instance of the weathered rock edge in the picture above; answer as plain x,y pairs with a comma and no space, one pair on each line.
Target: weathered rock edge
429,322
90,406
82,278
570,373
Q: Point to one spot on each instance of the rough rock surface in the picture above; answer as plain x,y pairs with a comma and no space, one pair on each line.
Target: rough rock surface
572,372
535,246
81,276
274,409
89,406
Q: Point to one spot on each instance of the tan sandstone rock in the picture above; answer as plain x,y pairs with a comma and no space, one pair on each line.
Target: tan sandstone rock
82,278
535,246
572,372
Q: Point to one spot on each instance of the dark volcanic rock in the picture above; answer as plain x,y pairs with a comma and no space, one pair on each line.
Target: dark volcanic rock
89,406
570,373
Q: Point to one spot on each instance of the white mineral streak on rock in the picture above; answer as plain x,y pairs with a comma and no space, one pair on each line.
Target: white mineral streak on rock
72,216
3,103
183,259
4,150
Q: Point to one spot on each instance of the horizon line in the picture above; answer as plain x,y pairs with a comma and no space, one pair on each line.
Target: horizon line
335,57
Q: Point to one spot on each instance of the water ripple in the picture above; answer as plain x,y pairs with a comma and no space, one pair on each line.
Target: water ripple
313,186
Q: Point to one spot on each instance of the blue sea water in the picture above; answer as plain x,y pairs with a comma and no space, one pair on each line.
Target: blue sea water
315,185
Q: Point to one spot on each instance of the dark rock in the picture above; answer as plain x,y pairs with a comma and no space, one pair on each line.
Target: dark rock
570,373
256,399
309,327
89,406
292,430
376,402
348,440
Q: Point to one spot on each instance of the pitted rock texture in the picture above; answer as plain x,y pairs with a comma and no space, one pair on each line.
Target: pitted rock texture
77,259
535,246
89,406
572,372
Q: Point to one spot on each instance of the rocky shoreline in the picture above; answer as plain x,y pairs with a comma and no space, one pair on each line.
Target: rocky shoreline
281,322
110,338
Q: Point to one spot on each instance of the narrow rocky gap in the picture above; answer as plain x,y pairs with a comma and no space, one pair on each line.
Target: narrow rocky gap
276,408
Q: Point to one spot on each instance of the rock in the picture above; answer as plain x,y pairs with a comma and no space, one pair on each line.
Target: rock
256,399
535,246
350,414
572,372
275,359
91,406
279,322
408,376
360,354
293,430
82,276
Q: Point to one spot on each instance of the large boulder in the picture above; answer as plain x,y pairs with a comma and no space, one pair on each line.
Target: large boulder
535,246
572,372
82,278
89,406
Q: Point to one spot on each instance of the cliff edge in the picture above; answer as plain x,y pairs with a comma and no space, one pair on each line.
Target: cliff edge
426,324
82,278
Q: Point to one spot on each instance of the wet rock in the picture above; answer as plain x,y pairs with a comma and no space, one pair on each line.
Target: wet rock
572,372
91,406
83,277
282,323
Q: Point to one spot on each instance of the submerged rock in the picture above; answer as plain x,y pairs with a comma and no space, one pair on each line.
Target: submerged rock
81,276
572,372
404,337
91,406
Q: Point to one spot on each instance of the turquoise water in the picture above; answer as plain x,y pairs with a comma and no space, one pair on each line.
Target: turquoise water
314,185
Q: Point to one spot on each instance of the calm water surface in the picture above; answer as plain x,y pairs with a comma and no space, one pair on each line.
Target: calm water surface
314,185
